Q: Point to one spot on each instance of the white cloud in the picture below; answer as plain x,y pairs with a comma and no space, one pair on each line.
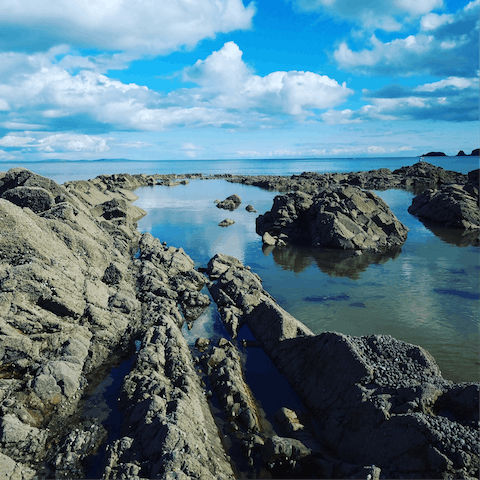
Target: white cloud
144,27
72,143
40,91
381,14
432,21
227,82
455,36
15,141
428,101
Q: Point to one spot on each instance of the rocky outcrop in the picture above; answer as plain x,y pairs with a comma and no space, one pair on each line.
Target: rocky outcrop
73,299
230,203
475,153
337,216
453,205
379,403
434,154
461,153
417,177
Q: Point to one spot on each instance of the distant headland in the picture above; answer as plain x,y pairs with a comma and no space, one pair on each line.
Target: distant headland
461,153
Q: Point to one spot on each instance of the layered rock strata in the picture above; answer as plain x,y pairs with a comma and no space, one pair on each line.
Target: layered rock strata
73,299
343,217
377,401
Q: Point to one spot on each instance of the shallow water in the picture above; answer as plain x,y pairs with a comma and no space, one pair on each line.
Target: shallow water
425,293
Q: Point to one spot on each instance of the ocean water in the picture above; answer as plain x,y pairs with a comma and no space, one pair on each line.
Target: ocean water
426,293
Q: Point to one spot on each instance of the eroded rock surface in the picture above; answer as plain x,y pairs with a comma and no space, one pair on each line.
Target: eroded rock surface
337,216
378,401
230,203
453,205
72,302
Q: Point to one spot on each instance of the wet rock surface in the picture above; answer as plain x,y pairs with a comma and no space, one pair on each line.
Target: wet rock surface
343,217
377,401
453,205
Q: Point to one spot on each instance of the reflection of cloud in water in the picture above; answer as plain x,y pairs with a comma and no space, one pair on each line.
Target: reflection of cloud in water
335,263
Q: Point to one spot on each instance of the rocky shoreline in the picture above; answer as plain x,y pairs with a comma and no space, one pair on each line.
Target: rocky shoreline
82,290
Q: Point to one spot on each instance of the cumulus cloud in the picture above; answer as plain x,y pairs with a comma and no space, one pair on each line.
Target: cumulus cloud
44,95
452,99
117,25
227,82
447,46
381,14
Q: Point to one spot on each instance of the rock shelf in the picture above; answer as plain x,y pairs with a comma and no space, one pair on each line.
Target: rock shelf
81,290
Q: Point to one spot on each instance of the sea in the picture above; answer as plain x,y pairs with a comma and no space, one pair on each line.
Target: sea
426,293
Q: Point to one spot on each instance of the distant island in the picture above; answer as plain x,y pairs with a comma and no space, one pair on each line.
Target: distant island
461,153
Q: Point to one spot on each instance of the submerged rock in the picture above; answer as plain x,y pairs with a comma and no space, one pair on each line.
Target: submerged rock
226,223
337,216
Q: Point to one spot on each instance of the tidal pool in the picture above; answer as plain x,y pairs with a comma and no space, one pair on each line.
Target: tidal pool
425,293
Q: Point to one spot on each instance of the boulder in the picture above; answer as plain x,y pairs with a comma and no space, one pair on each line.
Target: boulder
230,203
226,223
36,198
343,217
250,208
452,205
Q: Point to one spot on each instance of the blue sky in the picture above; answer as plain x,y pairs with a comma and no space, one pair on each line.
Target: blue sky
213,79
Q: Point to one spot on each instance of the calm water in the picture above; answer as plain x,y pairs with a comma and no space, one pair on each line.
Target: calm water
426,293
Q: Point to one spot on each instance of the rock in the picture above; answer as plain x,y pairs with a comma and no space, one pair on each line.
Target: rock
226,223
434,154
201,343
36,198
250,208
112,275
475,153
267,239
461,153
453,205
284,449
337,216
230,203
372,387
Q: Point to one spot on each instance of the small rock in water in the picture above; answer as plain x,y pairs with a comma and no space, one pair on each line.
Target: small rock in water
226,223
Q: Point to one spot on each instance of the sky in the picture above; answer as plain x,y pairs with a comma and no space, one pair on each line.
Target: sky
222,79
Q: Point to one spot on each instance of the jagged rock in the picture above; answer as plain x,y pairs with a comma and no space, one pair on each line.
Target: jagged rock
453,205
230,203
226,223
267,239
377,401
337,216
250,208
36,198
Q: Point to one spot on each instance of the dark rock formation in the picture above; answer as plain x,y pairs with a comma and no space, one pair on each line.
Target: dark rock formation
379,403
475,153
461,153
417,177
337,216
434,154
452,205
230,203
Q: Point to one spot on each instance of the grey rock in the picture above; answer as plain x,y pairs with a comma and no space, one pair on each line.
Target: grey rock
250,208
337,216
226,223
230,203
36,198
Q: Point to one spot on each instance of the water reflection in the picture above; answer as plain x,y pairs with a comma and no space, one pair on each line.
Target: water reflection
333,262
454,236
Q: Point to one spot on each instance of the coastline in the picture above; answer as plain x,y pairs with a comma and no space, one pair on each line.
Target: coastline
101,213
